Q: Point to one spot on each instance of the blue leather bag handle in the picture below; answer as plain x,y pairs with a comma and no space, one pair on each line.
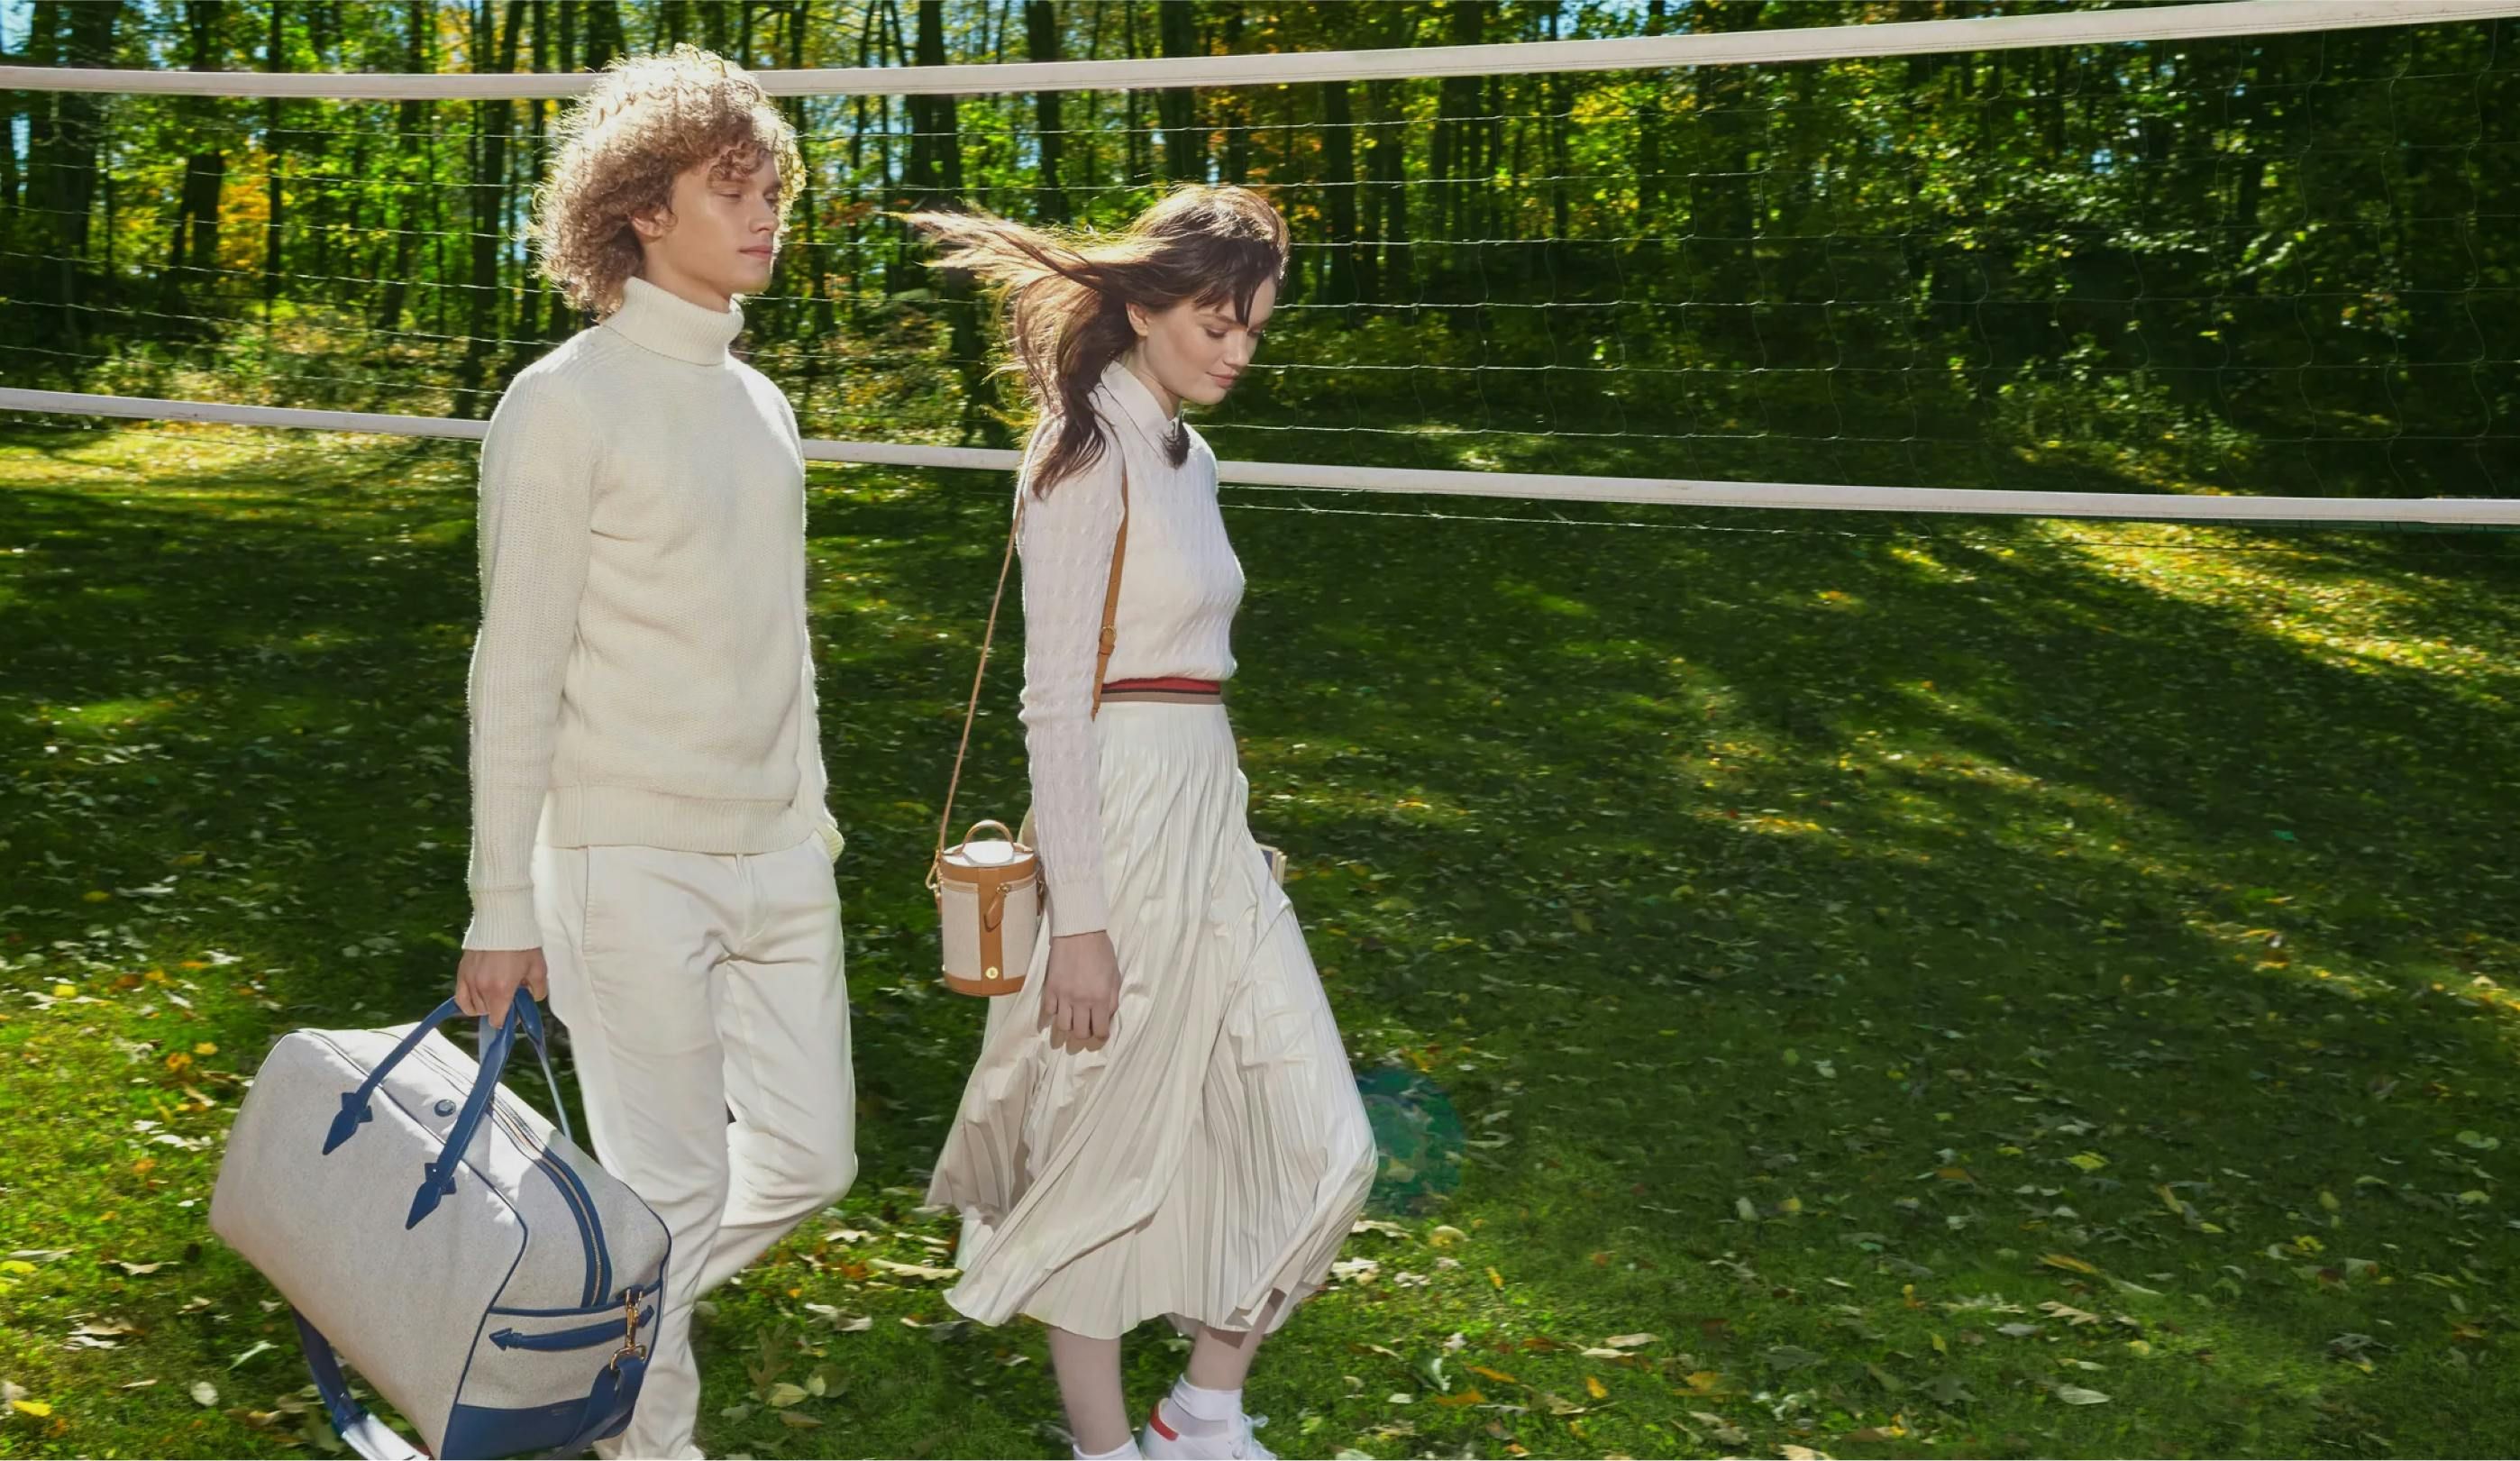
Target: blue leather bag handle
496,1042
607,1403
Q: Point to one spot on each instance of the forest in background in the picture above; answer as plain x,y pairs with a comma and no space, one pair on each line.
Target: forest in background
2275,263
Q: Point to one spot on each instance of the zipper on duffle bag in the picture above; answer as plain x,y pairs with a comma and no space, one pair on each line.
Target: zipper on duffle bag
584,1337
580,1203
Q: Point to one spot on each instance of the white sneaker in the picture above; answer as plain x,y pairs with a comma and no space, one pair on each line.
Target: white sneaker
1161,1441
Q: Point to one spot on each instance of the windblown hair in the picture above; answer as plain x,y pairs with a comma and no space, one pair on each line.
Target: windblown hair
1067,294
620,148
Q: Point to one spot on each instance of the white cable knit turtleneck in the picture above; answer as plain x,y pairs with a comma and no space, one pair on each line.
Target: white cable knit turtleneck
1179,588
642,675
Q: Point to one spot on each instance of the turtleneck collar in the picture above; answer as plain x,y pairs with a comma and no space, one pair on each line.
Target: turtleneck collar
1137,400
660,320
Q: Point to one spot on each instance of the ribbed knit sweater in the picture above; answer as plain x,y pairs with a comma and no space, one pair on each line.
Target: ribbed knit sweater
1180,586
643,675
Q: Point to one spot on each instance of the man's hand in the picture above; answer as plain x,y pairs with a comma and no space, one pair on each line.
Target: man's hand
486,980
1082,991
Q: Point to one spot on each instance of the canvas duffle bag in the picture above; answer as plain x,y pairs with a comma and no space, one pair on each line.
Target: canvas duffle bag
475,1266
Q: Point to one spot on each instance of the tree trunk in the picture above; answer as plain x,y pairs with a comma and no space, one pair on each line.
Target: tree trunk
411,118
1388,192
606,40
1454,154
1338,163
195,244
1041,43
275,57
1234,112
1650,134
936,143
491,122
1177,106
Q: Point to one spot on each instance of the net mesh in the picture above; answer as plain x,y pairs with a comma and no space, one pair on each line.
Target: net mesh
2276,263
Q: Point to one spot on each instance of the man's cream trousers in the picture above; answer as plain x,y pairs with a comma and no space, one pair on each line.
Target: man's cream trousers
708,1013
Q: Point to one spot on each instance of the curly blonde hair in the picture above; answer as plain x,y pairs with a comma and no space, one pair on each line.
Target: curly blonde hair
620,148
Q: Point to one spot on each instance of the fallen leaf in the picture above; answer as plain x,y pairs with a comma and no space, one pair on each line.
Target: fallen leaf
2069,1263
1629,1341
783,1394
205,1394
262,1346
1499,1376
1595,1388
1495,1278
798,1420
36,1408
2074,1395
1465,1397
920,1272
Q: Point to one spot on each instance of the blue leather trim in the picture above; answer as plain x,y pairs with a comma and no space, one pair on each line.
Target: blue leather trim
574,1194
563,1429
593,1223
612,1306
584,1337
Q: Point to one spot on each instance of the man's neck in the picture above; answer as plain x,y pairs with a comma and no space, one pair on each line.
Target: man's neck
685,287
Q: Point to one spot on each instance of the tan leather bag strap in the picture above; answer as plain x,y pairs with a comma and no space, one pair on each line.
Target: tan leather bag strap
988,637
1111,595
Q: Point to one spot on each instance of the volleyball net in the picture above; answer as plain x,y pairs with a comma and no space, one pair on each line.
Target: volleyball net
2252,262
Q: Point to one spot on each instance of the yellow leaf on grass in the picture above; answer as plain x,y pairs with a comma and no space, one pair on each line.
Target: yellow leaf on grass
36,1408
1595,1388
1499,1376
1495,1278
2090,1162
1465,1397
2071,1263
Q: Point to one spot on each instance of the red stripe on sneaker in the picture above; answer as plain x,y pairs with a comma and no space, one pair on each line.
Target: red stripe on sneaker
1155,1418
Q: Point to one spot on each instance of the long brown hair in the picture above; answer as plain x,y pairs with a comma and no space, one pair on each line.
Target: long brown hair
1067,294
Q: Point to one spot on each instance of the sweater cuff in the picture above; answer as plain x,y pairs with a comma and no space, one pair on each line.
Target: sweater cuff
1078,908
503,919
834,844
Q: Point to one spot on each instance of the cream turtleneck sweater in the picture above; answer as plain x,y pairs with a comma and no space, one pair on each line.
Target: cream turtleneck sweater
1179,589
642,675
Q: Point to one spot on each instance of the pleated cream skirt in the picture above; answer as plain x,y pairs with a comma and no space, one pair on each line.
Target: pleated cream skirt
1206,1164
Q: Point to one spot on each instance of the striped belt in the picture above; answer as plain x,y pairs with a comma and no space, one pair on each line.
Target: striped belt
1164,689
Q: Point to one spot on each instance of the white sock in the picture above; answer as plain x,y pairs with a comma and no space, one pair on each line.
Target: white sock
1204,1410
1125,1451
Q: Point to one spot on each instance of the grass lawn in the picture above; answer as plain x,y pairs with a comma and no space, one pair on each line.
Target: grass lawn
1904,988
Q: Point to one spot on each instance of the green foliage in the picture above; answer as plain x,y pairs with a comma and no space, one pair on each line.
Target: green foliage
2279,253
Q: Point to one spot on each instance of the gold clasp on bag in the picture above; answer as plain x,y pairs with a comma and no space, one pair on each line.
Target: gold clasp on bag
630,1349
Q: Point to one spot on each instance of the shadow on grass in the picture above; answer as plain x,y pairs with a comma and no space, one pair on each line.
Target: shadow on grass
1791,917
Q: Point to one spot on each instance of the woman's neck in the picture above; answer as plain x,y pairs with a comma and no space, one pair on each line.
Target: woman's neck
1135,362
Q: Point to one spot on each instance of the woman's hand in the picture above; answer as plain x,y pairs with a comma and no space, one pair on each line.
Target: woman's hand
1082,990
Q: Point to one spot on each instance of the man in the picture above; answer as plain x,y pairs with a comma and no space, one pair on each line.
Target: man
650,844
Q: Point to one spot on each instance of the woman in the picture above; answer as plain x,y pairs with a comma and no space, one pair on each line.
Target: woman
1162,1121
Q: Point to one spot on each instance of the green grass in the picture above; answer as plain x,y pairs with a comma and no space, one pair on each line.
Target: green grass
1924,974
